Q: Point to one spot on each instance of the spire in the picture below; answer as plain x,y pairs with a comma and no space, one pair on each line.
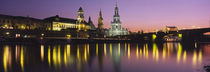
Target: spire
116,9
89,20
100,14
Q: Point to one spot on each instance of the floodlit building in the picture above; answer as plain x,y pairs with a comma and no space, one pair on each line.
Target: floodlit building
59,23
168,29
116,29
20,22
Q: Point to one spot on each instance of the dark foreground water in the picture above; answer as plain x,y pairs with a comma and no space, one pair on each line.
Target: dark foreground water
104,57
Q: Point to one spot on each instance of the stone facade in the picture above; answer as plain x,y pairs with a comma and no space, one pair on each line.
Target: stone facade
116,29
20,22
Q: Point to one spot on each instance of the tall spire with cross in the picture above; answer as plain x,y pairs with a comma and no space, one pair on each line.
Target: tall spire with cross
100,21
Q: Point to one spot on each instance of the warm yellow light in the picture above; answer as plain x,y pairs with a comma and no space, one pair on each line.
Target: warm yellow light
97,49
54,56
129,54
140,52
22,59
105,49
78,56
68,36
49,56
88,48
5,57
184,56
164,53
110,49
42,52
137,52
180,35
65,56
85,54
68,49
179,52
200,56
194,59
59,55
154,37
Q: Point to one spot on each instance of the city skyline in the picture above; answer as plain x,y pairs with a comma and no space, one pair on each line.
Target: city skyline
136,15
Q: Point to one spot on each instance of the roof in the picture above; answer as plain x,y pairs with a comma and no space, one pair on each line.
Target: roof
80,9
61,19
19,17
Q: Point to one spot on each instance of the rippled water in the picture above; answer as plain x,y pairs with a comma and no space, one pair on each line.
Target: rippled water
104,57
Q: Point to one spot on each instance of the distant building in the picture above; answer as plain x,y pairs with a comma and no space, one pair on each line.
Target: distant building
116,29
169,29
20,22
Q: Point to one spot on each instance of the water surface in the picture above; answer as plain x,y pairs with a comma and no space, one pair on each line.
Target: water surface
104,57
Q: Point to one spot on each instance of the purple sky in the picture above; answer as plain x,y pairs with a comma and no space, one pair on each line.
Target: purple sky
146,15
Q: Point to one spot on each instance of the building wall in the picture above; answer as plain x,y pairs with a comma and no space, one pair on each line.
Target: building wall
22,23
57,26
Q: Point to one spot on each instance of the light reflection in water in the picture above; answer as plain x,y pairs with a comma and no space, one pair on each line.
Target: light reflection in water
155,52
97,49
6,57
194,59
129,54
22,58
105,49
110,50
49,55
185,56
137,51
179,53
79,55
119,49
42,52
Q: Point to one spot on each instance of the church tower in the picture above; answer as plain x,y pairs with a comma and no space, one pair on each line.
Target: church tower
100,22
80,19
116,29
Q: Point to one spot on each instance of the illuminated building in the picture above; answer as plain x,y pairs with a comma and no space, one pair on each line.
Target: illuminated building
100,29
170,29
116,25
59,23
20,22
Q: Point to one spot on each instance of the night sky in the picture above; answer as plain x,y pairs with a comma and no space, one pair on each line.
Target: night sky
147,15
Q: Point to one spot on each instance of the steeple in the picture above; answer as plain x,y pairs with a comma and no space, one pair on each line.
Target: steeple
116,14
100,21
100,14
80,19
89,19
116,10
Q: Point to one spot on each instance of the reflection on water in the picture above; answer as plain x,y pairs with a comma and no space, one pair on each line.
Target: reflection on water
111,57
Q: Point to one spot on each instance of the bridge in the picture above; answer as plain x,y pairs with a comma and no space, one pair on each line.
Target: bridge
194,34
185,34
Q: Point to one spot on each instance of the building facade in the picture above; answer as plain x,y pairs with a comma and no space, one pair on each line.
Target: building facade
116,29
20,22
59,23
